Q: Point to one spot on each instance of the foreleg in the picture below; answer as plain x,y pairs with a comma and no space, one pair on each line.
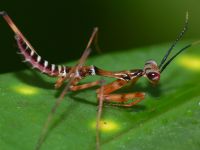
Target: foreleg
120,99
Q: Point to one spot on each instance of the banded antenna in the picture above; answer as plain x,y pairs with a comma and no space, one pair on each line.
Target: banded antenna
184,48
174,44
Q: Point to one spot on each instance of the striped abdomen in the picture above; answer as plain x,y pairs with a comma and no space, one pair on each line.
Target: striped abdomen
37,62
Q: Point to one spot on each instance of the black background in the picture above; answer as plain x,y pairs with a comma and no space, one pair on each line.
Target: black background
59,30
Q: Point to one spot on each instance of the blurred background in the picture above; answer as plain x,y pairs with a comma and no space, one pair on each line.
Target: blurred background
59,30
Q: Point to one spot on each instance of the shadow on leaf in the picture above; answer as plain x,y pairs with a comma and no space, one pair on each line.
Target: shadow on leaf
34,79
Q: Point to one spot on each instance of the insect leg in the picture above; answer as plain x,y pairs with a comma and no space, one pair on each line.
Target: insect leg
84,86
71,81
92,39
113,86
99,114
120,98
59,82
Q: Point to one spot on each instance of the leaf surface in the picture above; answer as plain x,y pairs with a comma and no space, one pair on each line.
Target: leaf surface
168,118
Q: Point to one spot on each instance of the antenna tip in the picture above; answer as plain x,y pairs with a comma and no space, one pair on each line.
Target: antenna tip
3,13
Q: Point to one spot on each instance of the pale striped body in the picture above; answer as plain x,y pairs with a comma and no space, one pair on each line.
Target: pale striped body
36,61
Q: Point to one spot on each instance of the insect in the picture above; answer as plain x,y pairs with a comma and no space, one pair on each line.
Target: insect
152,71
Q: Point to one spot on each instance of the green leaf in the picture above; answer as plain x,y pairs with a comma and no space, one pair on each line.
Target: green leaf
168,118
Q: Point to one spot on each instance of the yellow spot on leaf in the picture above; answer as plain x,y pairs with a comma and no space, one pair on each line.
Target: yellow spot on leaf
106,125
25,89
190,62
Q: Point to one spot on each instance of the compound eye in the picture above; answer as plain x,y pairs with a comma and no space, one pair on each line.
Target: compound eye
153,76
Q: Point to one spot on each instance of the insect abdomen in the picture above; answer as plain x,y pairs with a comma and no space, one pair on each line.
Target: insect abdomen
37,62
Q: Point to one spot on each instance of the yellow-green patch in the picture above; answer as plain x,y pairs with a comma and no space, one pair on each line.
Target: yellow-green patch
190,62
25,89
106,125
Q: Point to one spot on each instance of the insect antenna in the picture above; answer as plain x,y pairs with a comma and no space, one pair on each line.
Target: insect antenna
184,48
175,42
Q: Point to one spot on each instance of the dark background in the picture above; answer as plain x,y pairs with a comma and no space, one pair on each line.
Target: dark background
59,30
